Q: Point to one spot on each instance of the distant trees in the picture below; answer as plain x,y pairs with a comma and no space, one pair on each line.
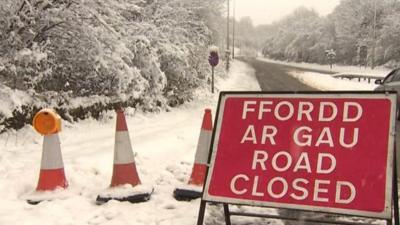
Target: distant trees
389,42
297,37
354,26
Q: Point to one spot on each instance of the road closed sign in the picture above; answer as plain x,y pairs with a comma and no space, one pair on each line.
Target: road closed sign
326,152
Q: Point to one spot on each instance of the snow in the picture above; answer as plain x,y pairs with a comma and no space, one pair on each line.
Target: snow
164,144
189,187
329,83
213,48
126,191
379,71
36,55
11,99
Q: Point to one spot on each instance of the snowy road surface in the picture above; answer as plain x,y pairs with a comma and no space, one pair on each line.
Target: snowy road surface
276,77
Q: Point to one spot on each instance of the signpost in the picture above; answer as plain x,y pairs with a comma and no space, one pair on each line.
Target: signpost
363,55
331,55
323,152
213,59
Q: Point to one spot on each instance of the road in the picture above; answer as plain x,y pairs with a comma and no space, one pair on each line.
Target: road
275,77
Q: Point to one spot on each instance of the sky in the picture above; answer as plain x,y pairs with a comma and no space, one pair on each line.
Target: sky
268,11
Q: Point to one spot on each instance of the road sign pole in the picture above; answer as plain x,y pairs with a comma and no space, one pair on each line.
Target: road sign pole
213,59
227,39
212,79
233,30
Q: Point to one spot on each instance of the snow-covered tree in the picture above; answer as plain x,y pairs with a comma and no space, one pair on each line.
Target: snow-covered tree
151,52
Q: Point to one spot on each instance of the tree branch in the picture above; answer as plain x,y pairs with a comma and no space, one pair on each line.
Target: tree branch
42,32
22,7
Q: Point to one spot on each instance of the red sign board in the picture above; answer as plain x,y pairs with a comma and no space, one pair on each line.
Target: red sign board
321,152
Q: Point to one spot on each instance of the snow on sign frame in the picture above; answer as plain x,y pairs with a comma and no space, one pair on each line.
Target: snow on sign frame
328,152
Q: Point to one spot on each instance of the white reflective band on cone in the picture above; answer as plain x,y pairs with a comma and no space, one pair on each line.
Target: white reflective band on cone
123,153
203,147
51,154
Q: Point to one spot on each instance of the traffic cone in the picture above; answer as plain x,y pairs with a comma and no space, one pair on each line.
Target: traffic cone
52,174
198,176
125,175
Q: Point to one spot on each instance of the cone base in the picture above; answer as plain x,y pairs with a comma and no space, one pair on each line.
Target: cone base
125,193
37,197
137,198
186,195
34,202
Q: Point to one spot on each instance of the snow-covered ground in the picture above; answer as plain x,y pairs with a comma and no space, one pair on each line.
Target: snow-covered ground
379,71
165,144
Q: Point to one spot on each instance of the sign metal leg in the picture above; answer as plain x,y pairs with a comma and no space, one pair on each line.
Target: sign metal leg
395,191
227,214
396,205
202,211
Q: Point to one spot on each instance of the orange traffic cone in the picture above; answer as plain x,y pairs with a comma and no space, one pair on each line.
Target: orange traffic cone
52,175
124,171
200,162
199,170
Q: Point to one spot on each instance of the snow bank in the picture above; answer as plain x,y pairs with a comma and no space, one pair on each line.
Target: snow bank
329,83
379,71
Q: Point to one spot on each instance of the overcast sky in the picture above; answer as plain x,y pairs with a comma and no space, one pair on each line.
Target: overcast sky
268,11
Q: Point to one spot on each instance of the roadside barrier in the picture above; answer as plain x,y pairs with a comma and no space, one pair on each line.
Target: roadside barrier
125,182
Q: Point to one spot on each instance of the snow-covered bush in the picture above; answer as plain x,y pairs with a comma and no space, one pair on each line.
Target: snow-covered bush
142,53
